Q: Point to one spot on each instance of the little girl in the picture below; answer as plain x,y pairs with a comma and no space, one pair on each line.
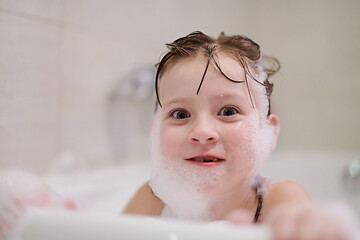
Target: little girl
212,133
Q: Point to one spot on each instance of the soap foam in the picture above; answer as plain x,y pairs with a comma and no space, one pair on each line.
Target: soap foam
259,142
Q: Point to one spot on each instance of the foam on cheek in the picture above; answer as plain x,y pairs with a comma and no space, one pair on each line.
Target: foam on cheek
241,156
181,185
259,142
259,130
251,152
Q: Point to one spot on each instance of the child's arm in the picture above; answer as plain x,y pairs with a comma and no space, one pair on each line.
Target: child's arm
291,214
144,202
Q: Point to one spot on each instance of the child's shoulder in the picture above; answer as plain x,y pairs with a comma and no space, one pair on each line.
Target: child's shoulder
284,190
277,192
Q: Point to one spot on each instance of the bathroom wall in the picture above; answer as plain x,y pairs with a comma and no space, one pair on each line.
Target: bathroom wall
31,66
61,60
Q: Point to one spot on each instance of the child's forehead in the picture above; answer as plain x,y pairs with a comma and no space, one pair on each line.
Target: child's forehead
187,73
195,66
184,76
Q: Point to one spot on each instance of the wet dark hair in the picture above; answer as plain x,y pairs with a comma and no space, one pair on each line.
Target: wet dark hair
241,48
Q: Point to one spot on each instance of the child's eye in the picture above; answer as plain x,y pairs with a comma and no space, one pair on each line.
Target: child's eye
180,114
228,111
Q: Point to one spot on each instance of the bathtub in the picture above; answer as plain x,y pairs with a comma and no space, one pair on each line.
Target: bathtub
103,193
45,224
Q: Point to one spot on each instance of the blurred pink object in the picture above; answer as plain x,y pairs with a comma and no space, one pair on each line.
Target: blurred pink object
19,191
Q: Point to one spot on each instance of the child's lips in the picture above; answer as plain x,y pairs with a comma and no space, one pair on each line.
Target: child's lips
206,160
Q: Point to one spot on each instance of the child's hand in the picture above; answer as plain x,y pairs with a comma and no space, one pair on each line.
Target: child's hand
312,221
20,191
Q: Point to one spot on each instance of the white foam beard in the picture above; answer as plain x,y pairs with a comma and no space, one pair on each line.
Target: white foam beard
182,185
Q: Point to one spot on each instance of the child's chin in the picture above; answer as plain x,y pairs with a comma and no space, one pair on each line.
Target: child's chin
209,190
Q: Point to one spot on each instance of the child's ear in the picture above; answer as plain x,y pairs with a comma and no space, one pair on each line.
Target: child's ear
275,125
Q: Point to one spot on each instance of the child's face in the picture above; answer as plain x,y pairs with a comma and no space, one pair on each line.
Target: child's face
215,140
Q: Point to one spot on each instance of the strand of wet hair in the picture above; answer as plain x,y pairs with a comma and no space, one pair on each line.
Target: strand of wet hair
222,73
160,66
210,51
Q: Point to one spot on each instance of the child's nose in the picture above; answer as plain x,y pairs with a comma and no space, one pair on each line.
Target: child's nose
203,132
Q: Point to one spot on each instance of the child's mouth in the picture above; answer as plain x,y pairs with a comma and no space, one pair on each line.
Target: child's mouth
205,160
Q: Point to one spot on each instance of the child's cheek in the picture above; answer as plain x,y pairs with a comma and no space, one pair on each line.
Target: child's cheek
237,136
242,144
171,140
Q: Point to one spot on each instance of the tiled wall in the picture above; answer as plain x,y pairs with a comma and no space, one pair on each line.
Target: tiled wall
30,83
61,60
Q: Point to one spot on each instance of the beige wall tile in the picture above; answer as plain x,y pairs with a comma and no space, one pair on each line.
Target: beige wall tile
30,75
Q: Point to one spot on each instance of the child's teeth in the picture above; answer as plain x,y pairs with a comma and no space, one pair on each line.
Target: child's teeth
199,159
210,159
205,159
